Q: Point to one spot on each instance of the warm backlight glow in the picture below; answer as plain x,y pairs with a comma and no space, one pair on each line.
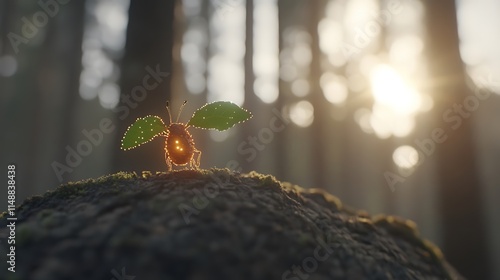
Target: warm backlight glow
396,103
226,73
390,90
266,50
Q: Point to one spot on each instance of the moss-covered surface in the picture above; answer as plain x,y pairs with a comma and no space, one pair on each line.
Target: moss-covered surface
210,224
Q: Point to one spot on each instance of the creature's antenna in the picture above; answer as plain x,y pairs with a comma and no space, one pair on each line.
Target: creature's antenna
169,115
180,110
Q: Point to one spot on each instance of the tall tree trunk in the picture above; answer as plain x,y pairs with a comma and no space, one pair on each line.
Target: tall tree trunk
148,49
322,125
460,192
64,56
17,108
250,98
38,114
280,154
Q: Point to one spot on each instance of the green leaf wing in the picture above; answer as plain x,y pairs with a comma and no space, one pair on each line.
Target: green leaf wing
142,131
219,115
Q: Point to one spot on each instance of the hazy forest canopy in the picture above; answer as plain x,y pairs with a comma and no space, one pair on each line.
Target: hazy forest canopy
391,105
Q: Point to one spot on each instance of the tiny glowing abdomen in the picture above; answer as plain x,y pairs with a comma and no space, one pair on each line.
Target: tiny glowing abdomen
179,144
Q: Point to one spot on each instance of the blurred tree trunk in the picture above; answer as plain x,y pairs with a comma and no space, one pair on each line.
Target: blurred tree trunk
63,57
148,51
250,99
460,191
323,124
39,114
17,105
284,10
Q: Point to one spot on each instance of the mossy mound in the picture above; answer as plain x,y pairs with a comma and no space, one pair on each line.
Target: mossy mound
210,224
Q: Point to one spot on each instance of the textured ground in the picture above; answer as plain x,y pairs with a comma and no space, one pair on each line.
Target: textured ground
209,224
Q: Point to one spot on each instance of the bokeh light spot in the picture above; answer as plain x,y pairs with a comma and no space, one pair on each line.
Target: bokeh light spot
405,157
302,113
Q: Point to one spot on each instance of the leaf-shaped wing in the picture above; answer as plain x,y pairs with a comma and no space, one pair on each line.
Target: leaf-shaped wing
219,115
142,131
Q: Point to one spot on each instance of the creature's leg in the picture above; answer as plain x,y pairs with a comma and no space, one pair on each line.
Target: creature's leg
196,162
167,160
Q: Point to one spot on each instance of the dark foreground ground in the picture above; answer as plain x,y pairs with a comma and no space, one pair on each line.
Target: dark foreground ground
210,224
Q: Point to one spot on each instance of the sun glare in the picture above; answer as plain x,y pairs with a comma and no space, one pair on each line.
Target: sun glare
396,103
390,90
